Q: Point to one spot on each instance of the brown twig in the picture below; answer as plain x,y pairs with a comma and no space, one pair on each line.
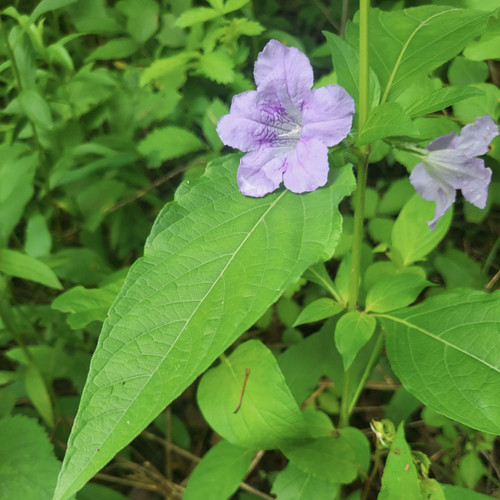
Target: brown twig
158,182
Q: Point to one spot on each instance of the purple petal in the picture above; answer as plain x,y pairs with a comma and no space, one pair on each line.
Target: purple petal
306,166
475,185
459,171
432,189
287,70
244,127
327,114
476,137
261,171
443,142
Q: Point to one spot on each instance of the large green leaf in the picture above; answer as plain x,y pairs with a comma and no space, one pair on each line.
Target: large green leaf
213,263
446,352
412,42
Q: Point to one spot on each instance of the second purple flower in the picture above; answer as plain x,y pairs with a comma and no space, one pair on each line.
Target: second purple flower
284,126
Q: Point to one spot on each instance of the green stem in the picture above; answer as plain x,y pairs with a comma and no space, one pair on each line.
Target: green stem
359,196
19,85
368,369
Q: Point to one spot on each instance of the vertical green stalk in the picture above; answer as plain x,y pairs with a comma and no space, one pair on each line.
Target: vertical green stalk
359,195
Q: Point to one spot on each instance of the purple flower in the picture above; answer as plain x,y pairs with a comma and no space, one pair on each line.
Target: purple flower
450,163
284,126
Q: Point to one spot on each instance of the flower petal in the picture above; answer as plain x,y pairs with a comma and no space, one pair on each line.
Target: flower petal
287,70
261,171
327,114
476,137
459,171
443,142
244,128
432,189
306,166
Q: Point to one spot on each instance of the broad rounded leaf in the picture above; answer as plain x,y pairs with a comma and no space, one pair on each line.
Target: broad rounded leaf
353,330
333,458
446,352
213,263
292,483
254,408
219,473
412,239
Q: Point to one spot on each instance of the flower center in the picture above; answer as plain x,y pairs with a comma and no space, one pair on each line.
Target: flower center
293,134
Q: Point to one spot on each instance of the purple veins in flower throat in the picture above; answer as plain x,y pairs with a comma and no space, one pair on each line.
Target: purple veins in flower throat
285,127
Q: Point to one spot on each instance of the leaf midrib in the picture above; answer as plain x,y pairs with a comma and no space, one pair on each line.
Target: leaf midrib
440,339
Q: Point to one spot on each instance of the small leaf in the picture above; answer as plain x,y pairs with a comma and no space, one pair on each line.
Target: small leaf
386,120
471,470
346,65
232,5
319,309
412,240
38,394
331,458
437,100
14,263
445,352
400,480
28,466
217,66
487,47
167,143
117,48
463,71
268,416
395,292
38,239
354,329
46,6
458,493
219,472
142,18
86,305
293,483
35,107
196,15
167,66
319,423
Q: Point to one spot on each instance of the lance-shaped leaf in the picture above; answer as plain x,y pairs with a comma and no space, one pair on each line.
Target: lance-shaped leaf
213,263
446,353
409,43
